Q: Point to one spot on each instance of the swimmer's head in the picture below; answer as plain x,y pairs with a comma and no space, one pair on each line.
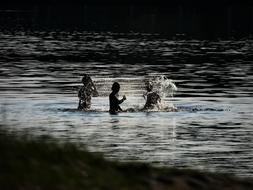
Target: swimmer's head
115,87
86,78
149,86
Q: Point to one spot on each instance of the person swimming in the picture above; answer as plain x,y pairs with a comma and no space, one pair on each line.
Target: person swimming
114,101
85,92
153,99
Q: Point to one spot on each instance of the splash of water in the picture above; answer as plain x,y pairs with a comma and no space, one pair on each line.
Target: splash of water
164,87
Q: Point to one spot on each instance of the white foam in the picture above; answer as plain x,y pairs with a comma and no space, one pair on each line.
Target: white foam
165,88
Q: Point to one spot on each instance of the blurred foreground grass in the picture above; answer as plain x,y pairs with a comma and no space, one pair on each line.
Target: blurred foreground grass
41,164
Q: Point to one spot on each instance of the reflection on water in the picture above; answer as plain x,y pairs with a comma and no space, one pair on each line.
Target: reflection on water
40,73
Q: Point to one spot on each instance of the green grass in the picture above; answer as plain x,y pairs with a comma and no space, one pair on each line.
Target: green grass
41,164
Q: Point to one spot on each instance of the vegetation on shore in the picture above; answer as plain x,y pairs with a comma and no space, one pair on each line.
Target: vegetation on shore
28,164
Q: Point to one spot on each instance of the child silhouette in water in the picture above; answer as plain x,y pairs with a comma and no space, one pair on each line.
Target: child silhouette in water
152,98
114,101
85,92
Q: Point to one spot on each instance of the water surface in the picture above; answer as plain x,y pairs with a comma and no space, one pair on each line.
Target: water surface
40,74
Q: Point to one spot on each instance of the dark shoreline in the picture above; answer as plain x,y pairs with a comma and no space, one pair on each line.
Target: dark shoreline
27,163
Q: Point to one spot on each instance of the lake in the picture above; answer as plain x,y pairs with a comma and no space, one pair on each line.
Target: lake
41,71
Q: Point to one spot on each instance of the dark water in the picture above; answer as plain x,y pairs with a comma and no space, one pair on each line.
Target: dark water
40,74
209,19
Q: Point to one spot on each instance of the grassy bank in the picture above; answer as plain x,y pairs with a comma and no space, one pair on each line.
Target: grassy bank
40,164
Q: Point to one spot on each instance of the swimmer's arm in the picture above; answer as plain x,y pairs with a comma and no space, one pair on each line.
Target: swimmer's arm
159,103
94,89
119,108
145,95
122,100
95,92
79,93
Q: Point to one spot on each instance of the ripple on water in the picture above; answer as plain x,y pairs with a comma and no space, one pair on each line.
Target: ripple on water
40,76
